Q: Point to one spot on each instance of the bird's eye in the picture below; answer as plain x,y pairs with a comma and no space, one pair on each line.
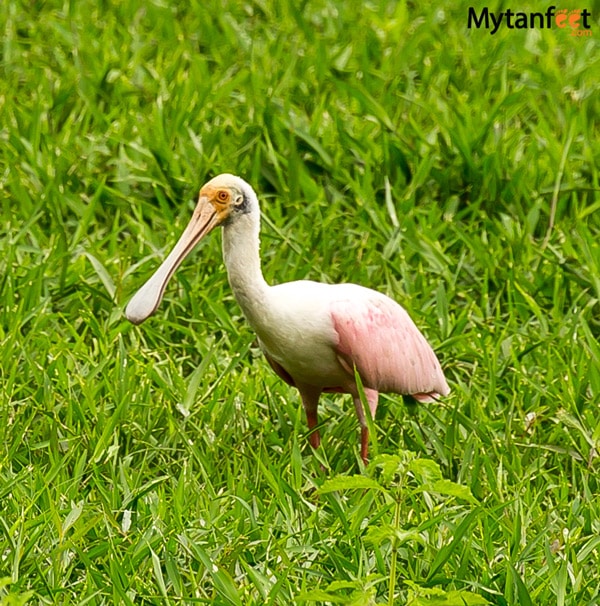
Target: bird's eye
222,195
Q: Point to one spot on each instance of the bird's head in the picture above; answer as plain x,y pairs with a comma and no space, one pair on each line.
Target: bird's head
221,201
223,198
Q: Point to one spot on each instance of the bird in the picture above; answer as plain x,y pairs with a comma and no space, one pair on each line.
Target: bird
317,337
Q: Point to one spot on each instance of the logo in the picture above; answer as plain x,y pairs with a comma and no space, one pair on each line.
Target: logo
577,21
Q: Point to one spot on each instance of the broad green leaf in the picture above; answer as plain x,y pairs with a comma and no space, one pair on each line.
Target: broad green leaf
392,465
386,532
425,471
447,487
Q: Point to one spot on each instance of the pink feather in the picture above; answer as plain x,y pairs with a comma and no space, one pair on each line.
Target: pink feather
391,355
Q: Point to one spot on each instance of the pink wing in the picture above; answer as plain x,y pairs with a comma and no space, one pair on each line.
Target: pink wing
390,353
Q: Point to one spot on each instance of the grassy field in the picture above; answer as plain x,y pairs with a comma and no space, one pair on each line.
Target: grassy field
391,146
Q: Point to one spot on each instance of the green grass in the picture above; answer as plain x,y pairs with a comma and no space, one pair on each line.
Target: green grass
392,147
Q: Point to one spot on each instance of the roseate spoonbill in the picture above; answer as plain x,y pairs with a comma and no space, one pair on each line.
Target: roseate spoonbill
313,335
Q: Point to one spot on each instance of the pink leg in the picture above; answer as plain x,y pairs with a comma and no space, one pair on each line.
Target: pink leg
372,399
310,399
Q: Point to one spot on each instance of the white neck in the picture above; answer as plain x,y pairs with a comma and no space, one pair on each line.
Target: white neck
242,260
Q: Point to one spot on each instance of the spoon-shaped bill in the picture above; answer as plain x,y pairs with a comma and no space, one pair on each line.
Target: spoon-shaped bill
147,299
